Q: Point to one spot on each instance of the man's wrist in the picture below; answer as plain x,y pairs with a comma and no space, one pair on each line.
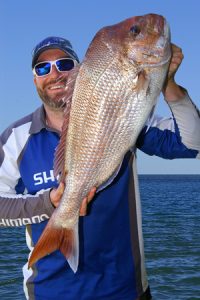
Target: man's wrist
173,92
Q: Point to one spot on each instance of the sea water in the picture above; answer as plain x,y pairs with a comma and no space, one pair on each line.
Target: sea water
171,225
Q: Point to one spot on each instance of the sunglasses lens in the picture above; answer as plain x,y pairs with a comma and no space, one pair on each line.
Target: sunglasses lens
65,64
43,68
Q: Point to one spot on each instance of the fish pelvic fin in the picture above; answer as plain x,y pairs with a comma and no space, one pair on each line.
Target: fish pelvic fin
57,238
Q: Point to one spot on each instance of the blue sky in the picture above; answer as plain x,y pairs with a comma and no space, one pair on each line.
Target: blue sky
24,23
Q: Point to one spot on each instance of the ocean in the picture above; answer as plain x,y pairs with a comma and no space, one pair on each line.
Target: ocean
171,225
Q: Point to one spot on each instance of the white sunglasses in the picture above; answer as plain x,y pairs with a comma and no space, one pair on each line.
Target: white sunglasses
62,65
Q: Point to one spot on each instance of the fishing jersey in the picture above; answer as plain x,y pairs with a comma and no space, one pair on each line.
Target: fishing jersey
111,263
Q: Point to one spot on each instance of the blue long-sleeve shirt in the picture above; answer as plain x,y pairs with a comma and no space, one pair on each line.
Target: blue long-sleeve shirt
111,264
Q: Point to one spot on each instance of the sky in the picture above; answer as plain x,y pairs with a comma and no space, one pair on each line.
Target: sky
25,23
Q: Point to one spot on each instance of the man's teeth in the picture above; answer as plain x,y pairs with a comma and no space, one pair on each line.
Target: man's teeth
57,87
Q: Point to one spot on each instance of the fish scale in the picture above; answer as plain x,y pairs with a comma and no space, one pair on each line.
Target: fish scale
115,91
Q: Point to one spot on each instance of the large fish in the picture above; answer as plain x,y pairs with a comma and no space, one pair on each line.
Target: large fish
116,88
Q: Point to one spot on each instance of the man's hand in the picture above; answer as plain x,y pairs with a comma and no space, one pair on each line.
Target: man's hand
176,60
171,90
56,195
86,200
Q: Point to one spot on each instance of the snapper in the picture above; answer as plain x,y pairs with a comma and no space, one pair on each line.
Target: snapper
116,89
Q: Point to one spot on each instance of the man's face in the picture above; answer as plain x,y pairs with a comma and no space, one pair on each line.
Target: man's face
52,87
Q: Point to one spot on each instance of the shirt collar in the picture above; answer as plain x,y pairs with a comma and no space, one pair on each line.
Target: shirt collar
38,121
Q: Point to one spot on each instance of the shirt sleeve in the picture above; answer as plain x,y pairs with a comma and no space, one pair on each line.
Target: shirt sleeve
18,209
174,137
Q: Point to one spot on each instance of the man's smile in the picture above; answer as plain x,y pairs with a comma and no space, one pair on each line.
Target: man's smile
56,87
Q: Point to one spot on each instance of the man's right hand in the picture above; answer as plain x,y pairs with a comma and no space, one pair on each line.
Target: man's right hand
56,195
86,200
171,90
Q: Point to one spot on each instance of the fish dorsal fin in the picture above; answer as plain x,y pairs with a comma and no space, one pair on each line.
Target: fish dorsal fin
59,157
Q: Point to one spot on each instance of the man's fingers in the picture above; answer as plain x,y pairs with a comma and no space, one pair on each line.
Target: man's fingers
91,194
60,189
56,194
83,208
177,54
86,200
176,59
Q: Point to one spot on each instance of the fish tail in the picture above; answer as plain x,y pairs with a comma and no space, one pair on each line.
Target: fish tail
57,238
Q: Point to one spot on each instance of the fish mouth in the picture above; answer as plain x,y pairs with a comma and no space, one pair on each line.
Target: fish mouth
167,32
158,64
163,44
164,38
162,50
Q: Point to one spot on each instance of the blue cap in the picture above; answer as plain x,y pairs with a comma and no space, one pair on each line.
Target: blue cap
53,42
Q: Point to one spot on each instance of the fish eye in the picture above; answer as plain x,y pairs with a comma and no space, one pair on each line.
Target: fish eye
135,29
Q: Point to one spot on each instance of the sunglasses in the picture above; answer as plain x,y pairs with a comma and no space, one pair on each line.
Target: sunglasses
62,65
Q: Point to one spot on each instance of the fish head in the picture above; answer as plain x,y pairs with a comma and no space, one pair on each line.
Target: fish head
148,41
140,40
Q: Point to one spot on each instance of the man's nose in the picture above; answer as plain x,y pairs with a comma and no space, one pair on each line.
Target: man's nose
54,71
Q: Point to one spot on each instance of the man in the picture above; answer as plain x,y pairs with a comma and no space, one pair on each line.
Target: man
111,263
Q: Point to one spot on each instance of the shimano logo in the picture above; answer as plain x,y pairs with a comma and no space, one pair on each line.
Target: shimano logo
43,177
24,221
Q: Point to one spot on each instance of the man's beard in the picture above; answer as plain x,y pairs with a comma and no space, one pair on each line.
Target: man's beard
55,102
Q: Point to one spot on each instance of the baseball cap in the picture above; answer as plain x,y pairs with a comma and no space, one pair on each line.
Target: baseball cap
53,42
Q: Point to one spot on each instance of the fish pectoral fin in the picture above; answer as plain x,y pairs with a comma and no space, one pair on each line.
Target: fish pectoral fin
143,83
57,238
